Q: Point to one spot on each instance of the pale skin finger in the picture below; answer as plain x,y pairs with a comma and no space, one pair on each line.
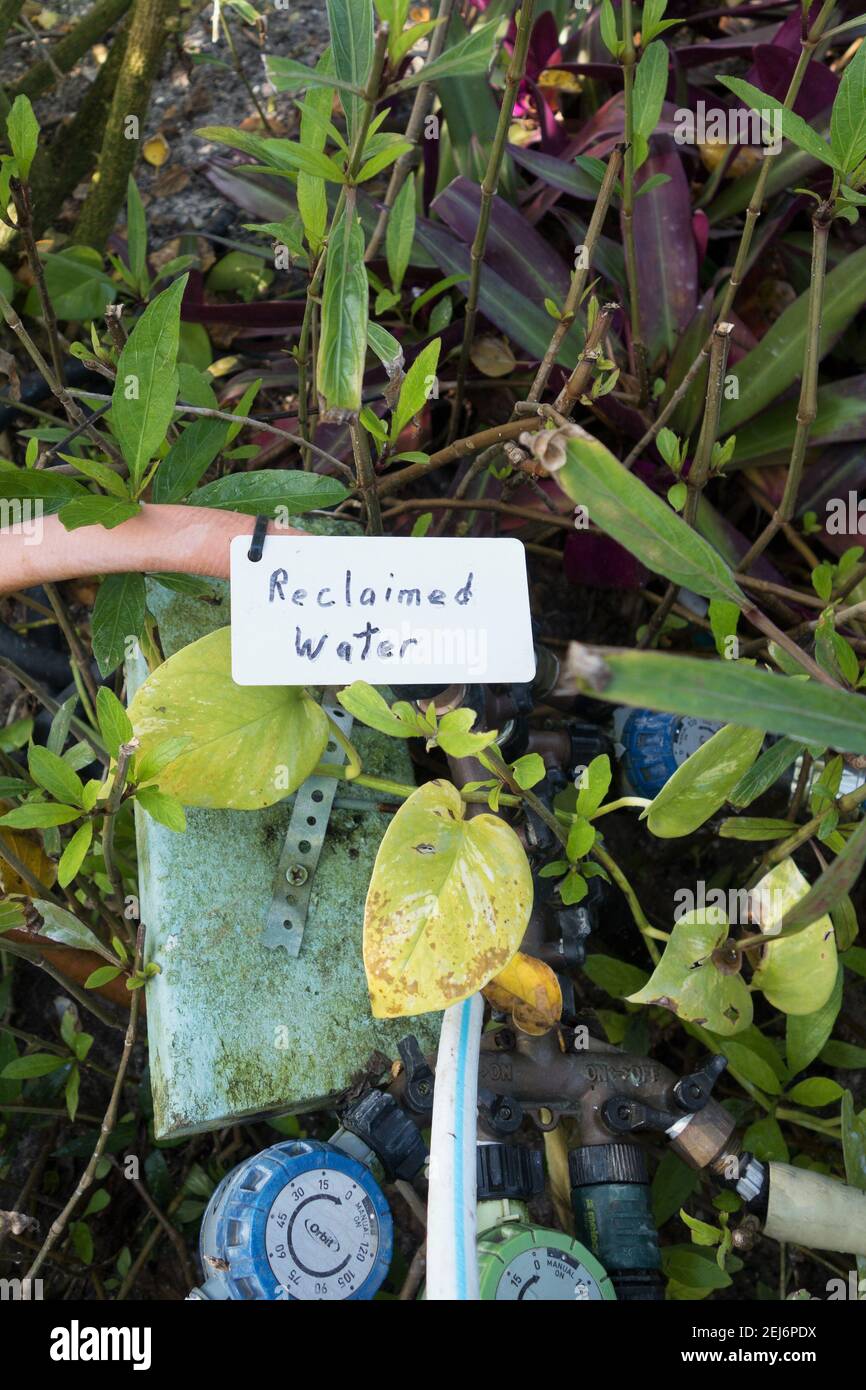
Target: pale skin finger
186,540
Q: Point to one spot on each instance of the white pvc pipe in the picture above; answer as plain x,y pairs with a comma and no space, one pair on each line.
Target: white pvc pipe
815,1210
452,1260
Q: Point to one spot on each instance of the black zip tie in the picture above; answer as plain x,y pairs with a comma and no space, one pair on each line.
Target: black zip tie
257,544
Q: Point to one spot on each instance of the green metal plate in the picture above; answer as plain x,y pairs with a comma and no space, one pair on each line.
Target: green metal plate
237,1030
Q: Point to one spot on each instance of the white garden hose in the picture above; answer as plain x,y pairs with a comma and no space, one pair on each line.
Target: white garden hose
815,1210
452,1260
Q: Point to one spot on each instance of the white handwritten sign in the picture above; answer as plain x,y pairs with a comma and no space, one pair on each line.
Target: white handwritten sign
326,610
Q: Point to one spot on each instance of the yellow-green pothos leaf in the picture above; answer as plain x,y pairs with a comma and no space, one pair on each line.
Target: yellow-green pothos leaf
246,747
343,337
625,508
695,984
701,784
447,906
796,973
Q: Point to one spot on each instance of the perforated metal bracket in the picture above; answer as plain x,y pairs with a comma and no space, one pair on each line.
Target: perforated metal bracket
293,885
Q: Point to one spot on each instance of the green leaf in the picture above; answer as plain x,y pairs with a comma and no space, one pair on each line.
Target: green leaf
832,885
267,491
165,809
848,117
247,746
593,786
794,128
752,1057
351,27
343,334
287,154
754,828
815,1092
364,702
36,1064
118,618
854,1142
724,617
102,976
188,458
38,815
702,1233
689,1265
766,1141
74,854
401,233
136,232
733,692
99,473
310,192
77,284
290,76
23,129
845,1056
528,770
148,766
383,159
701,784
672,1185
416,388
61,926
55,775
766,372
766,771
650,86
454,737
447,907
615,977
625,508
73,1085
689,983
581,838
82,1241
147,380
98,1202
113,720
607,24
468,58
797,974
97,510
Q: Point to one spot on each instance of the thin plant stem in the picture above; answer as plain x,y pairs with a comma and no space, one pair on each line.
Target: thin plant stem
582,374
490,183
76,652
807,407
58,390
579,277
239,69
629,63
112,806
471,444
701,463
420,111
649,933
58,1226
756,202
366,478
183,409
21,197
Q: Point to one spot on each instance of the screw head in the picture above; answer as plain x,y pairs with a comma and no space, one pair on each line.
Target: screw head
296,874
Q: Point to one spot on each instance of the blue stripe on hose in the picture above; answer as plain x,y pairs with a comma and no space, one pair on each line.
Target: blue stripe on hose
459,1127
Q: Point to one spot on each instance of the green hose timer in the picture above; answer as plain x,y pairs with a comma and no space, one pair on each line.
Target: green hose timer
516,1258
